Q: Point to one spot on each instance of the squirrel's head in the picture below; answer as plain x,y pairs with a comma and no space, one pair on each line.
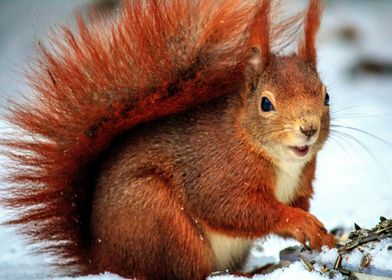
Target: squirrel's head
285,105
286,109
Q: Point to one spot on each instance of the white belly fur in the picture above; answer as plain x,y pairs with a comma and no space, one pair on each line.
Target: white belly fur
229,251
288,176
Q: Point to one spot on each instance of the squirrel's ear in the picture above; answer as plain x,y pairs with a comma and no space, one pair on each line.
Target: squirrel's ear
259,35
253,68
259,44
307,48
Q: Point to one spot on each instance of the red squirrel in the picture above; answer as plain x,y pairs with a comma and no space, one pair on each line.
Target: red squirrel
162,143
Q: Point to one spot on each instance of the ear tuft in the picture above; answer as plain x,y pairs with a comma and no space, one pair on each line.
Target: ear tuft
253,69
259,44
259,36
307,48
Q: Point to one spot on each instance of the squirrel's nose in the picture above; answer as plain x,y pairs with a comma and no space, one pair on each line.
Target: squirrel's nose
308,131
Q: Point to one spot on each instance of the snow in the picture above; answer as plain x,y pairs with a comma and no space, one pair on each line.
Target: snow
351,186
294,271
103,276
381,256
328,255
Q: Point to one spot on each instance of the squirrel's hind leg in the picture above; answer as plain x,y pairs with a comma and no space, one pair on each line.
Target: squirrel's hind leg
140,230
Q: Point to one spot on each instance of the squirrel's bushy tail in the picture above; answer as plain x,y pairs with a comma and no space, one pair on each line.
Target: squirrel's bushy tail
156,58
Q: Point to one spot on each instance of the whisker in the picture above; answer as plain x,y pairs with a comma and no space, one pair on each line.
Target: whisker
364,147
288,121
273,131
347,141
347,108
364,115
358,116
363,132
340,144
343,136
355,140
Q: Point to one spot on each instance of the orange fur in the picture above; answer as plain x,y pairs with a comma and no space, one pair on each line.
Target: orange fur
260,31
136,201
307,50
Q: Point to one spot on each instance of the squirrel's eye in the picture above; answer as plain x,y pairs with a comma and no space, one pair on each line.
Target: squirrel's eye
326,99
266,105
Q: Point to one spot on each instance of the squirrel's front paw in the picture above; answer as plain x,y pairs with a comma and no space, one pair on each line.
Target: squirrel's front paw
305,227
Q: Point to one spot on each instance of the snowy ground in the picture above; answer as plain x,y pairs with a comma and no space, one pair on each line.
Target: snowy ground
353,183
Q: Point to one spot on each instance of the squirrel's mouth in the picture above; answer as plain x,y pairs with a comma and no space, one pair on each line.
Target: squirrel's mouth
300,151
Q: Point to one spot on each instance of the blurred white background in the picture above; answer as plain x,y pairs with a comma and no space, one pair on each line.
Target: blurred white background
354,177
